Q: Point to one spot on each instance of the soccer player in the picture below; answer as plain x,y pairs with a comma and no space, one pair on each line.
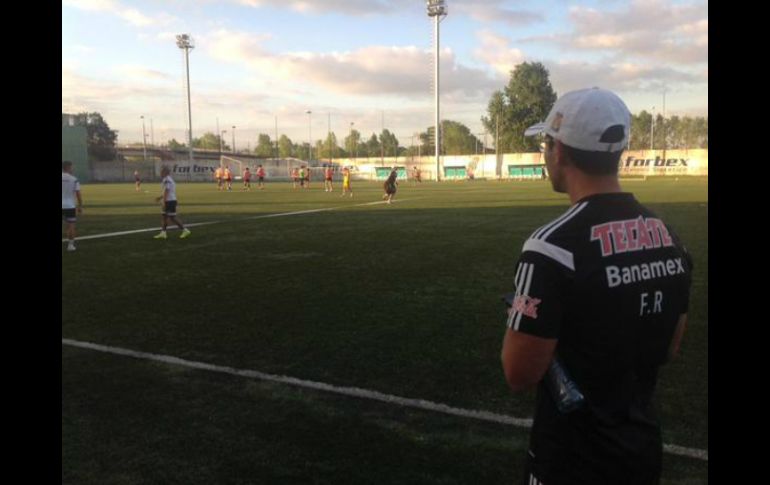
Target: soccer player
346,182
247,179
328,172
218,174
168,198
390,185
600,305
302,176
417,174
295,176
260,177
137,180
70,192
228,177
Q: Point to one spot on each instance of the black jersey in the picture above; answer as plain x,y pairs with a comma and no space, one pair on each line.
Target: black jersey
609,280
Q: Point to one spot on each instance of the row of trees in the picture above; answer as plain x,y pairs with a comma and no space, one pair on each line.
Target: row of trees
100,138
528,98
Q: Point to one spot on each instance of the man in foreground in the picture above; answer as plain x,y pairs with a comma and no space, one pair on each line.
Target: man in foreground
600,304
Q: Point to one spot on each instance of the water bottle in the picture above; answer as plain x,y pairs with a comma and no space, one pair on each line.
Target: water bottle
563,389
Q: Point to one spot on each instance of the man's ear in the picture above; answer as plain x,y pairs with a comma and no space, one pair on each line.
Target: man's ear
561,158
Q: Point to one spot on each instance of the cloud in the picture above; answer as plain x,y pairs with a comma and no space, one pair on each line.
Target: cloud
653,30
347,7
621,77
368,71
130,15
495,51
141,73
492,11
101,94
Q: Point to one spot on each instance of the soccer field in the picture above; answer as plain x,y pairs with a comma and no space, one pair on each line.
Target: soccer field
402,299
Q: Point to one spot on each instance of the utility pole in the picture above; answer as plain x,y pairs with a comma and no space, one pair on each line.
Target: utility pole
185,42
438,10
144,139
652,130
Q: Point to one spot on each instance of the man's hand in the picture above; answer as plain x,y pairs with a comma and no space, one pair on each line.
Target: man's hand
157,199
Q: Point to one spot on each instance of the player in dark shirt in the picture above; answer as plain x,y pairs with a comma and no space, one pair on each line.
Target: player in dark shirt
390,186
600,304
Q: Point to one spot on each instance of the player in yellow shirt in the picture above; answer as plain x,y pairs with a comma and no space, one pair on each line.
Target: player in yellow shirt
346,182
218,177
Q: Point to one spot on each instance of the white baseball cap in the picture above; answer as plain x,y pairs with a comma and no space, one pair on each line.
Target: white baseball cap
591,119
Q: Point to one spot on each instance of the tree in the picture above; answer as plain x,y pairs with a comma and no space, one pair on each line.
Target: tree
526,100
286,148
389,143
210,141
457,139
264,147
495,124
351,143
373,146
679,133
329,148
99,137
640,131
175,145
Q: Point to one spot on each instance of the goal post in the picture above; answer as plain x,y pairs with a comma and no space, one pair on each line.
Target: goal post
225,161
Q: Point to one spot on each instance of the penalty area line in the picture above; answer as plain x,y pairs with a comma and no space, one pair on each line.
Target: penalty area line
346,391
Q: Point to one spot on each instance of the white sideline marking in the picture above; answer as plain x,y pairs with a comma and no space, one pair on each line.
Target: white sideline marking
123,233
280,214
348,391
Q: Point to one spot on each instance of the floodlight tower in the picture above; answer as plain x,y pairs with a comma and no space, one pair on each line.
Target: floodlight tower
185,42
309,138
438,10
144,139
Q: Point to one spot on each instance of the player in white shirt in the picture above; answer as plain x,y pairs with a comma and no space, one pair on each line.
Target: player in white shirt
70,192
168,196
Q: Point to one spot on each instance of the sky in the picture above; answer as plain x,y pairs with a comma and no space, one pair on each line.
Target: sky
369,63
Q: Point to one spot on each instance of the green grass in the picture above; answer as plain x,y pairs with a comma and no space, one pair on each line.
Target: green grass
401,299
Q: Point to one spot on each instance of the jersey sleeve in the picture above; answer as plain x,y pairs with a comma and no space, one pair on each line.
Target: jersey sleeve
689,266
538,304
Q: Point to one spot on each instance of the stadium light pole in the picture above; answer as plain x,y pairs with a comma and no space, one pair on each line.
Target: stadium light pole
185,42
438,10
276,137
152,134
309,138
144,139
221,135
355,145
382,139
233,133
485,153
652,130
329,134
497,142
664,123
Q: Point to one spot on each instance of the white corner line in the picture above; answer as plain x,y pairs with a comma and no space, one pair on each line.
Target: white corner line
265,216
347,391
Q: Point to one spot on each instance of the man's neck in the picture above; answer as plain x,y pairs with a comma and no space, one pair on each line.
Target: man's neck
582,185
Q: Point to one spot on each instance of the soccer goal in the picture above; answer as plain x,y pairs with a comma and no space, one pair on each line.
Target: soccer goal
236,166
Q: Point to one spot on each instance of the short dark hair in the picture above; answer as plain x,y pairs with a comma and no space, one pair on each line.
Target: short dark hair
65,164
595,163
590,162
